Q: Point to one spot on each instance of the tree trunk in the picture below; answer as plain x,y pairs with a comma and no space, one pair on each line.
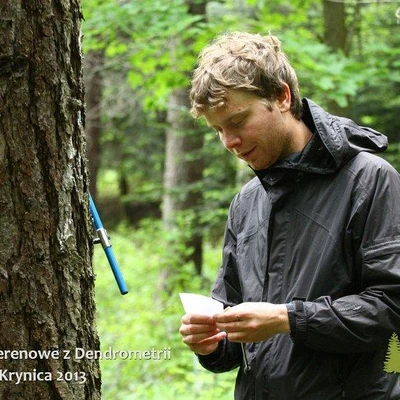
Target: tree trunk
335,37
46,279
335,30
94,85
184,169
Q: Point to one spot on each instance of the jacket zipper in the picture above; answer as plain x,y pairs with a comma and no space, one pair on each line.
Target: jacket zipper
245,361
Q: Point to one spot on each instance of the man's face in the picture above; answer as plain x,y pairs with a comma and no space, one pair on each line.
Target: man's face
251,129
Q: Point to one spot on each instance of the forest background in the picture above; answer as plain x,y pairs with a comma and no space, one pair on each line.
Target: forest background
163,183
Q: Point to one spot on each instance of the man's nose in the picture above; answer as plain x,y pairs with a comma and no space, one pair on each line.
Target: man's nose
230,140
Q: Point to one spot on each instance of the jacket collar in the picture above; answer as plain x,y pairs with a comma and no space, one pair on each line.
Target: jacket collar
334,142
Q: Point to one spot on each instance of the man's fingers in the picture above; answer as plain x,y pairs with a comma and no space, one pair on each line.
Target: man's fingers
214,339
236,326
229,316
194,329
189,319
200,337
208,345
200,333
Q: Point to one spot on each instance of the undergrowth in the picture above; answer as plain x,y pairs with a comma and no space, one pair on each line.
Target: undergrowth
144,323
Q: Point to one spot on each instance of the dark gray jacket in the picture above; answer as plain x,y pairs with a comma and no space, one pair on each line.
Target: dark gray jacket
321,228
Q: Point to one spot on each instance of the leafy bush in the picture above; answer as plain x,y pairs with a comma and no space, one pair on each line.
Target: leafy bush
148,320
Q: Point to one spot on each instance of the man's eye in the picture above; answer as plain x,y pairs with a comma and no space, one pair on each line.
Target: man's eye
237,123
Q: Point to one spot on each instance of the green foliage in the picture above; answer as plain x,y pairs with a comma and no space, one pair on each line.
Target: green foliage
150,36
147,56
145,319
151,47
392,155
323,74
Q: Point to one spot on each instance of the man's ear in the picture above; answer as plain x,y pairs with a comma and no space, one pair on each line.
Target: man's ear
285,98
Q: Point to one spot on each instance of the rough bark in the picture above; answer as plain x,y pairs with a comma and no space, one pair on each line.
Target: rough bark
94,85
46,279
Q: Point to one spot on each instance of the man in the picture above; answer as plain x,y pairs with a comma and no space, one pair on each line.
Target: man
311,264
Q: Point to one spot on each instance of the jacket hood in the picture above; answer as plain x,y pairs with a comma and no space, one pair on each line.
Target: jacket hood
342,137
336,140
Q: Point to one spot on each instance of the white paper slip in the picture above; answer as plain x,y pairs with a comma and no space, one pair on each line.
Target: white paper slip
199,304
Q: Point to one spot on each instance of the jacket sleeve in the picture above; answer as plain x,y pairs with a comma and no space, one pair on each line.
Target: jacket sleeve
364,321
226,290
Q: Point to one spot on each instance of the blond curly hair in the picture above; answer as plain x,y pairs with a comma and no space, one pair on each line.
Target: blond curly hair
241,60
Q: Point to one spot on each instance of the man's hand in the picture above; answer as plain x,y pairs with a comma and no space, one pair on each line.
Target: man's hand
253,322
200,333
